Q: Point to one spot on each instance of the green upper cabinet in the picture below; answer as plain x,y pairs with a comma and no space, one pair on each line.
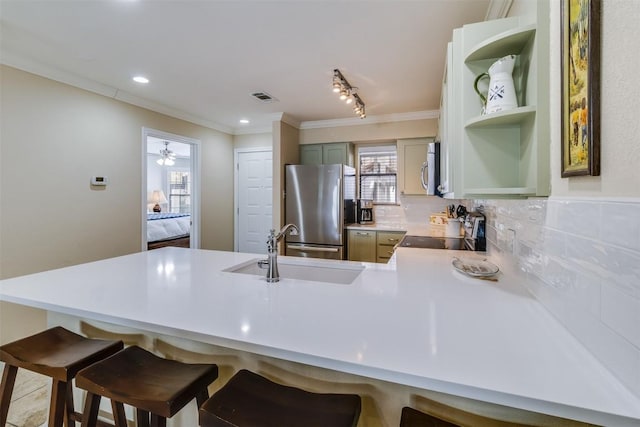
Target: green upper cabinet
311,154
503,154
327,154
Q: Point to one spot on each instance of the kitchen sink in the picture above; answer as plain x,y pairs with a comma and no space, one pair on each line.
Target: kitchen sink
430,242
315,272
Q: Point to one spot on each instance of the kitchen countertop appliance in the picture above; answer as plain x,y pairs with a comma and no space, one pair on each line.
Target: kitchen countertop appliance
320,201
364,213
474,231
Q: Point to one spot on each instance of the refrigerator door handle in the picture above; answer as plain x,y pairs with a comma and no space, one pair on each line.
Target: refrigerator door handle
312,248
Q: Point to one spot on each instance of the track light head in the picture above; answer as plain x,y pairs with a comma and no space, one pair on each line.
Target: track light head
347,92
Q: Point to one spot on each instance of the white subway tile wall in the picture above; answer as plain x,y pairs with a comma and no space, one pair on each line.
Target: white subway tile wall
581,259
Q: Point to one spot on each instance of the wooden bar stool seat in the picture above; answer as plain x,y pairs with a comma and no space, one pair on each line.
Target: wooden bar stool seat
249,400
413,418
158,388
56,353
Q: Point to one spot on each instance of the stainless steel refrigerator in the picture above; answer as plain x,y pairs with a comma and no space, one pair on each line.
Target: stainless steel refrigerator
320,200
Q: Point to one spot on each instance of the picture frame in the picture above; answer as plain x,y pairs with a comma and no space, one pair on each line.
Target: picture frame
580,50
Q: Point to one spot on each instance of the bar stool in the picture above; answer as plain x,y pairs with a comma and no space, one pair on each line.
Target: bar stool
413,418
158,388
249,399
57,353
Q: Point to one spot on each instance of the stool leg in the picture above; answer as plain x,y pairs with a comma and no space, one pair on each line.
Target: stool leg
158,421
119,417
143,418
70,412
202,397
6,390
91,408
58,403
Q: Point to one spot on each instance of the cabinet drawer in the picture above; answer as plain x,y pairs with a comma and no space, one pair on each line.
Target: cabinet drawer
390,238
384,253
386,242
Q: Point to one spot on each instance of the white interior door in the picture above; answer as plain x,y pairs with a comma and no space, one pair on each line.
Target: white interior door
254,210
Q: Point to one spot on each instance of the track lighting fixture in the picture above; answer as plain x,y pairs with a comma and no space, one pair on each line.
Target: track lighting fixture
348,93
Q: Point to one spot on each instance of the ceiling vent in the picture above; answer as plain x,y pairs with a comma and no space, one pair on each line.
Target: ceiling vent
263,97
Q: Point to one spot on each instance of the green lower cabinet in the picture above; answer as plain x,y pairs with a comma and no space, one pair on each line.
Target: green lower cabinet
361,245
371,245
386,243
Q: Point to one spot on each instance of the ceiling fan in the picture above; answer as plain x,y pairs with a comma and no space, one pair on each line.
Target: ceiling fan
168,157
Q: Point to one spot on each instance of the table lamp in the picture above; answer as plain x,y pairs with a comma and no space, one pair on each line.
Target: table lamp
157,197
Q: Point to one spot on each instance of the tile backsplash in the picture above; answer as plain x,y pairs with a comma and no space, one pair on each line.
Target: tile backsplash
581,260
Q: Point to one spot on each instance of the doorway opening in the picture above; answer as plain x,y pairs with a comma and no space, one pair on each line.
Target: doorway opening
170,190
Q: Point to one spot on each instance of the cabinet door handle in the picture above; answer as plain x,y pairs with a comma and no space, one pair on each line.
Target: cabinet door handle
392,240
311,248
359,233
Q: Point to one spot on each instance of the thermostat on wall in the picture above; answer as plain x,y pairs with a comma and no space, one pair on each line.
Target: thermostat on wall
99,180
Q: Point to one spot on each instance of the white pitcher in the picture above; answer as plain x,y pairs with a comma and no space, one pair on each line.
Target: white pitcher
502,93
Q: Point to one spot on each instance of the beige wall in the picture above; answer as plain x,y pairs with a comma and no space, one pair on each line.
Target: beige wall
256,140
620,150
53,138
371,132
285,151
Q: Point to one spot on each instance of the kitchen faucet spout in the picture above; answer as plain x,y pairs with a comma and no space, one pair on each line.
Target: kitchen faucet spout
272,250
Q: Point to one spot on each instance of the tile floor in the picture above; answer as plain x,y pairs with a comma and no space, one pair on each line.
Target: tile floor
30,400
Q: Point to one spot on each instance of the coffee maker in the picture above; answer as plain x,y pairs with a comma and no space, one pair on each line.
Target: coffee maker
365,211
474,231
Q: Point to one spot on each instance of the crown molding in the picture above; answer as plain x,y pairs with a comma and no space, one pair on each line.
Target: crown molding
20,62
266,125
28,65
498,9
290,120
386,118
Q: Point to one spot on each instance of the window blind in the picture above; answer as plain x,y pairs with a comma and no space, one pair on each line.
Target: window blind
378,174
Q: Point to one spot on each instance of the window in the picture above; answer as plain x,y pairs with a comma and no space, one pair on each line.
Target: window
179,191
378,173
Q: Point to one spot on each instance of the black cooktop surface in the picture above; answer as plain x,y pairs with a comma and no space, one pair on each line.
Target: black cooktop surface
429,242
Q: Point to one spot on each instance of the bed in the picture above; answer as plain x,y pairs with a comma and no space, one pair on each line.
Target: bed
168,229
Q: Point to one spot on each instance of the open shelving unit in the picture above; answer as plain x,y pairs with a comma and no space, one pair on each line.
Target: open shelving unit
504,154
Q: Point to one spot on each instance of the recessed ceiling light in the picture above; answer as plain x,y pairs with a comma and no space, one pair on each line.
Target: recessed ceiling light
244,121
140,79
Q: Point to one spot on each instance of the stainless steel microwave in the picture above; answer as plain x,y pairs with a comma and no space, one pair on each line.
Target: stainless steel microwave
430,172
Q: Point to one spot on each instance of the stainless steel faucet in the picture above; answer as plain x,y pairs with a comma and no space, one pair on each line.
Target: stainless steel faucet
271,263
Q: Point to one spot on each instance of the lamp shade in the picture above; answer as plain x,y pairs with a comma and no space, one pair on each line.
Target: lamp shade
157,196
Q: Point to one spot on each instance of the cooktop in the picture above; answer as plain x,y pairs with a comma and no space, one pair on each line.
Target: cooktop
430,242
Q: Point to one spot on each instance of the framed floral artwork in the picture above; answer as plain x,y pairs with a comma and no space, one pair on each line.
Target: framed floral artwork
580,140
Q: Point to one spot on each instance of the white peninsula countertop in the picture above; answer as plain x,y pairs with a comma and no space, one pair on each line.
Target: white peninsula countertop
414,321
